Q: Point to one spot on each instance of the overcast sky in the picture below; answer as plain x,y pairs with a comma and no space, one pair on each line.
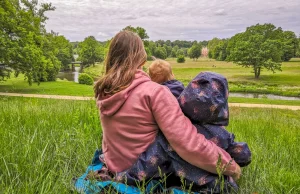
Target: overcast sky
169,19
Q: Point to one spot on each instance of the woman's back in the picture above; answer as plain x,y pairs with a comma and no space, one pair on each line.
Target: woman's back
128,124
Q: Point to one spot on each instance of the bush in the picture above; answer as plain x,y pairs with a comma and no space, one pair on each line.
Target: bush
85,79
180,59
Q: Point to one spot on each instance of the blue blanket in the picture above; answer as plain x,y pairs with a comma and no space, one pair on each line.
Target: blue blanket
86,186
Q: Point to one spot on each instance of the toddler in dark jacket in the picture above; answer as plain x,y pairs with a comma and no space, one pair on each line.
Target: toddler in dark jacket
204,102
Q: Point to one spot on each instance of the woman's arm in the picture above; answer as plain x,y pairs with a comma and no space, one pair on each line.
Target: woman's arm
183,136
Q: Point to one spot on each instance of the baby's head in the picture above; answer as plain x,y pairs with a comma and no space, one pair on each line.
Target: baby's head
160,71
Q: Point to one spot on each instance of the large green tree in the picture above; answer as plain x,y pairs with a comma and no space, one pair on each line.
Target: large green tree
259,47
90,51
195,51
63,51
290,45
160,52
212,44
22,39
219,52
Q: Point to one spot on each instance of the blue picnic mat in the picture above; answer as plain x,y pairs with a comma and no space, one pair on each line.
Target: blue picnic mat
86,186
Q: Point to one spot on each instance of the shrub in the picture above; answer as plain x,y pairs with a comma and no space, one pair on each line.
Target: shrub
85,79
180,59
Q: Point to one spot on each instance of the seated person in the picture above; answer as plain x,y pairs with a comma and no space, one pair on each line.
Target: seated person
204,102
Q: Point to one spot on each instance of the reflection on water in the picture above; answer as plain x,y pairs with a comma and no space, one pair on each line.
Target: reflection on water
267,96
69,75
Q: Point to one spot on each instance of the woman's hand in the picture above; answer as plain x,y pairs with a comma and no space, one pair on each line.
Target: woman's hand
237,174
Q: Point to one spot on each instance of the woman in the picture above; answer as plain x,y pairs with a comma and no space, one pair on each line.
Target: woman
133,109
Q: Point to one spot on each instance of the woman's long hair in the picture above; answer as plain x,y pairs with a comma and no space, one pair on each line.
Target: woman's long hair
126,54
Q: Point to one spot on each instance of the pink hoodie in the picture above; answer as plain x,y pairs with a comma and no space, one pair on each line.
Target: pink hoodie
131,119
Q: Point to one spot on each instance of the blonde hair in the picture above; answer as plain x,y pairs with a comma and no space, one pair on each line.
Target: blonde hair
126,54
160,71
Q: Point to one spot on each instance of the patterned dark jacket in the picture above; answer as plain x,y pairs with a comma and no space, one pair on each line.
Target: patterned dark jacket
205,102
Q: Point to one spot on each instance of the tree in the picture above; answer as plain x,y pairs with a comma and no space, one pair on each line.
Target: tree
180,59
168,49
180,52
90,51
211,46
23,40
195,51
219,53
260,47
290,45
139,31
62,49
174,51
160,52
298,48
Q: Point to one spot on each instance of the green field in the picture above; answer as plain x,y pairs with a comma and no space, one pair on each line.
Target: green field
286,82
45,143
240,79
59,87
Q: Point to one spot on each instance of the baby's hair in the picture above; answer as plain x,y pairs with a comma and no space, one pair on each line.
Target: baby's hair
160,71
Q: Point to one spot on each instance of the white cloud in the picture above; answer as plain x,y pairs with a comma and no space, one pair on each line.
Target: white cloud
169,19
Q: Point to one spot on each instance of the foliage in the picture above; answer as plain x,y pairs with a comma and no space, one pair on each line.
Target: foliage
85,79
195,51
168,49
212,44
219,53
298,48
290,45
139,31
160,53
260,47
23,40
91,51
63,50
180,59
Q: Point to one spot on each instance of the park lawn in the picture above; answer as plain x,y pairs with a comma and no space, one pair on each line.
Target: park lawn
19,85
59,87
46,142
286,82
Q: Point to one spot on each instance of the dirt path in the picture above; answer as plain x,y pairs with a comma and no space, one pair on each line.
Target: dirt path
91,98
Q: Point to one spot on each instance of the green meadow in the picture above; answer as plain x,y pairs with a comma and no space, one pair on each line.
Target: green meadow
45,143
285,82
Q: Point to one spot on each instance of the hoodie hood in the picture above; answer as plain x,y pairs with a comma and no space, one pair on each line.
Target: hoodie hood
175,86
204,100
110,105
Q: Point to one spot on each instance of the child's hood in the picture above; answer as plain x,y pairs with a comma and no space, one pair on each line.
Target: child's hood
110,105
204,100
175,86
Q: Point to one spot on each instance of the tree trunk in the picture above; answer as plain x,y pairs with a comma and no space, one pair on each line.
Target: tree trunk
73,67
81,68
257,72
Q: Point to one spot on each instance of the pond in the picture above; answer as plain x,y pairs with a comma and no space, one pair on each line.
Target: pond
69,75
266,96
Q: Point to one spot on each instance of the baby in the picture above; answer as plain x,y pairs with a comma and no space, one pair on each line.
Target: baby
160,71
204,102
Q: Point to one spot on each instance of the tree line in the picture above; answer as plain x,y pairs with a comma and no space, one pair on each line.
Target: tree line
26,47
259,47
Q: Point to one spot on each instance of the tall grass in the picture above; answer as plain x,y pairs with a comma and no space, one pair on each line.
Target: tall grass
45,143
